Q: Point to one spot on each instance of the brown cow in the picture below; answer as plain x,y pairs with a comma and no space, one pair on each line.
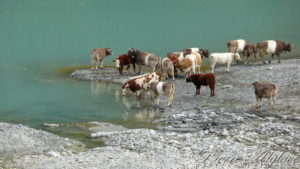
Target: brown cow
264,90
249,50
202,79
273,47
122,60
99,54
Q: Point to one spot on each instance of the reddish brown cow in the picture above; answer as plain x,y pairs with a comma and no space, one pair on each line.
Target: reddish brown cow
202,79
122,60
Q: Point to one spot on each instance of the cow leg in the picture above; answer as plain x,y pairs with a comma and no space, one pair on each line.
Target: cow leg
246,61
153,68
128,66
278,57
175,72
133,68
212,92
261,54
140,66
93,63
257,102
96,63
101,63
138,94
228,65
121,70
274,101
172,71
272,56
157,99
212,66
269,101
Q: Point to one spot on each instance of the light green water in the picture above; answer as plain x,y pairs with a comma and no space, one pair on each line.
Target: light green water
38,36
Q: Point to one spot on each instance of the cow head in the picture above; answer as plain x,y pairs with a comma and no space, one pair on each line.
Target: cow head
108,51
131,52
188,78
236,57
204,52
288,47
117,62
125,88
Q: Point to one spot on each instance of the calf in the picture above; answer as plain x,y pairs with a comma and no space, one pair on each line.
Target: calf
99,54
264,90
205,79
273,47
136,84
191,62
122,60
223,58
145,58
249,50
163,88
167,67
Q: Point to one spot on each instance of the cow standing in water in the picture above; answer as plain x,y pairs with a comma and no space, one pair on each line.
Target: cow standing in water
273,47
145,58
99,54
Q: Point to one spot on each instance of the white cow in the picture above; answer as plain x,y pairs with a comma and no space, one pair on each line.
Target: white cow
223,58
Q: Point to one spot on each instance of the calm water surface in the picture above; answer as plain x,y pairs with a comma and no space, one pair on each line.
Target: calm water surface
39,36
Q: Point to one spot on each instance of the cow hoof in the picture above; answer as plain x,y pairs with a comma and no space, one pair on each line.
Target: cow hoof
270,61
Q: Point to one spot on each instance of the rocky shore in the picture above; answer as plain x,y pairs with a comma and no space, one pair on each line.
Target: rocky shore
224,131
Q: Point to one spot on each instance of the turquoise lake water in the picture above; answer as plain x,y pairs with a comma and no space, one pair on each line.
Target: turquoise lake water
37,37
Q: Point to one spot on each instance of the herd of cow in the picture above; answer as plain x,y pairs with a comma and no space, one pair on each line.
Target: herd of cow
188,61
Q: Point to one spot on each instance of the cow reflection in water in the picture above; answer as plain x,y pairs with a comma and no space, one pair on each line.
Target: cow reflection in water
98,88
138,109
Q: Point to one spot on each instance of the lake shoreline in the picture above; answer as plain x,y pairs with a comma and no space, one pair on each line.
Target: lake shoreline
199,130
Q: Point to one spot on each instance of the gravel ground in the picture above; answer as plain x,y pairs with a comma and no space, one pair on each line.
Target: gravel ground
224,131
